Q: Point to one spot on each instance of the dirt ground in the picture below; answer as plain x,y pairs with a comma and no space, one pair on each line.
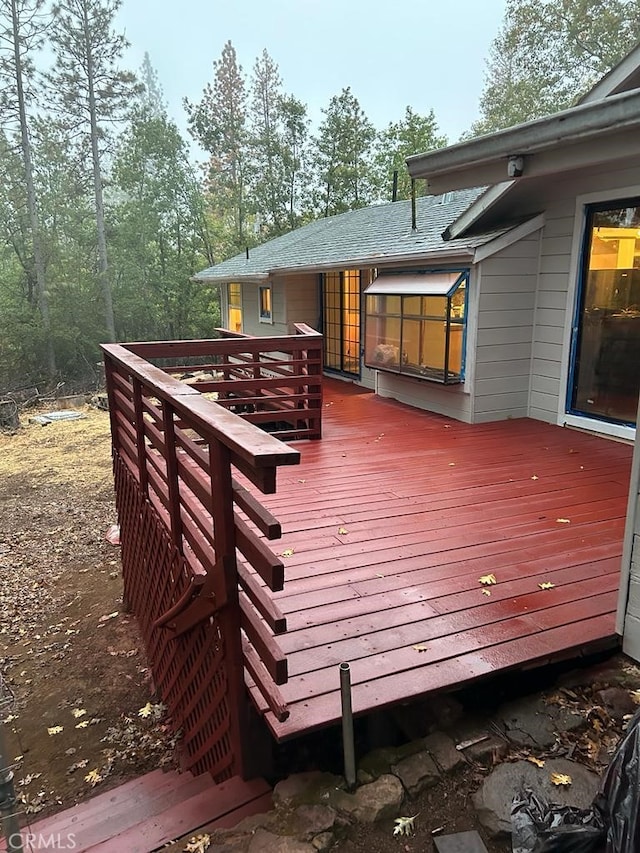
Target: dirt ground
75,692
73,677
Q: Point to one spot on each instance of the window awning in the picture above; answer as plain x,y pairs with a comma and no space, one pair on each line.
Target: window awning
415,284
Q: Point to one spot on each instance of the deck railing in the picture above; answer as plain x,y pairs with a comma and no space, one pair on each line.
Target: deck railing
273,382
196,563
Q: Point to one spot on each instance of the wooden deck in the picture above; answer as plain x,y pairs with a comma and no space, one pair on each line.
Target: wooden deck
429,505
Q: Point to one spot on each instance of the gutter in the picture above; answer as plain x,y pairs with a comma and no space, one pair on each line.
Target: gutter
586,121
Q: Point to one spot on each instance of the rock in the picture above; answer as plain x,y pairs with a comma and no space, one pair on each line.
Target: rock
306,788
531,722
443,751
378,762
617,701
266,842
309,821
493,799
417,772
377,801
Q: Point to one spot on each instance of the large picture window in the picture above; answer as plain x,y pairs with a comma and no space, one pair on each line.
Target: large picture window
606,378
415,324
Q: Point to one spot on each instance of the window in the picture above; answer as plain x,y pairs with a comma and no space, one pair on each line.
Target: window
264,304
234,296
341,319
415,324
605,377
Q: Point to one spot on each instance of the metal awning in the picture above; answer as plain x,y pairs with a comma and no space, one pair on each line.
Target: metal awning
415,284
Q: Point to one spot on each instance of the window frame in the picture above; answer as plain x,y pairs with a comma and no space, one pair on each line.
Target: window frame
405,285
265,316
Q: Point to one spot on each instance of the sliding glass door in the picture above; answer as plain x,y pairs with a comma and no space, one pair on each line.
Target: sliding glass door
606,369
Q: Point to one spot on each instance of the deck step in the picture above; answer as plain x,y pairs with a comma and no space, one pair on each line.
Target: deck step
213,805
146,813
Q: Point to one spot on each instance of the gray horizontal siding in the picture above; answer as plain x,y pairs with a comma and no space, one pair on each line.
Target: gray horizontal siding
505,331
302,300
448,400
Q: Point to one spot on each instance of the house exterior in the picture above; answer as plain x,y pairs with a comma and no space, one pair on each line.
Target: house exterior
519,299
579,171
399,306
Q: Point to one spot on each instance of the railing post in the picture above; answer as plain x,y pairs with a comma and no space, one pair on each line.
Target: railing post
229,616
140,437
173,485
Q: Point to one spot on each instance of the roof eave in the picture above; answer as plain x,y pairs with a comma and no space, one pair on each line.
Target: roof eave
461,165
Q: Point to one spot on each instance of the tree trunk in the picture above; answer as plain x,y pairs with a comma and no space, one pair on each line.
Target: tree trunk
25,142
103,262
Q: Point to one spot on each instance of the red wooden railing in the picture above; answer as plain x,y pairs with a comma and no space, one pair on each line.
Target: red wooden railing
196,564
272,382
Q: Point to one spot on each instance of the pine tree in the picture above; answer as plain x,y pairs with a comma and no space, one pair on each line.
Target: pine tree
91,93
219,123
413,134
21,30
342,156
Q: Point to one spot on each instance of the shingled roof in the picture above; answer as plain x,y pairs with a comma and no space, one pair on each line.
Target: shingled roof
371,236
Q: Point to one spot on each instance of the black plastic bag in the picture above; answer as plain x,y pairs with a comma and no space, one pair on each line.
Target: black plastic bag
619,796
542,827
611,825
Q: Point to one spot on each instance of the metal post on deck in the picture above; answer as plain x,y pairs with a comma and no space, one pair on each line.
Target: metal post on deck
347,726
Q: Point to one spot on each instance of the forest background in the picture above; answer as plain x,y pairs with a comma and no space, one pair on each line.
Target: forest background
104,216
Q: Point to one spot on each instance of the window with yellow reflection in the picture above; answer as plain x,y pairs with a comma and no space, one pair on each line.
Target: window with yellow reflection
415,324
605,374
234,298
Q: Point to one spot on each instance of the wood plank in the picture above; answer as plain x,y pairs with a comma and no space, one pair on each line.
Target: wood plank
185,817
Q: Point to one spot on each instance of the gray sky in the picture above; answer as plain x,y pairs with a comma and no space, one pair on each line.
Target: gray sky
428,54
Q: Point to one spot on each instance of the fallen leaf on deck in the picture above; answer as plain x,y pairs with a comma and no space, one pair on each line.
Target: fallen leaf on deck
421,648
55,730
488,579
486,592
288,552
546,585
561,779
537,761
198,844
563,521
342,531
93,777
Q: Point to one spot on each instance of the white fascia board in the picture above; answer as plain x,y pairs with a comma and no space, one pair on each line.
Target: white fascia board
627,68
480,206
512,236
585,122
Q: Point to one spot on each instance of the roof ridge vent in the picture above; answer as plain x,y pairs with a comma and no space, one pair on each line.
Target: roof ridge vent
445,198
